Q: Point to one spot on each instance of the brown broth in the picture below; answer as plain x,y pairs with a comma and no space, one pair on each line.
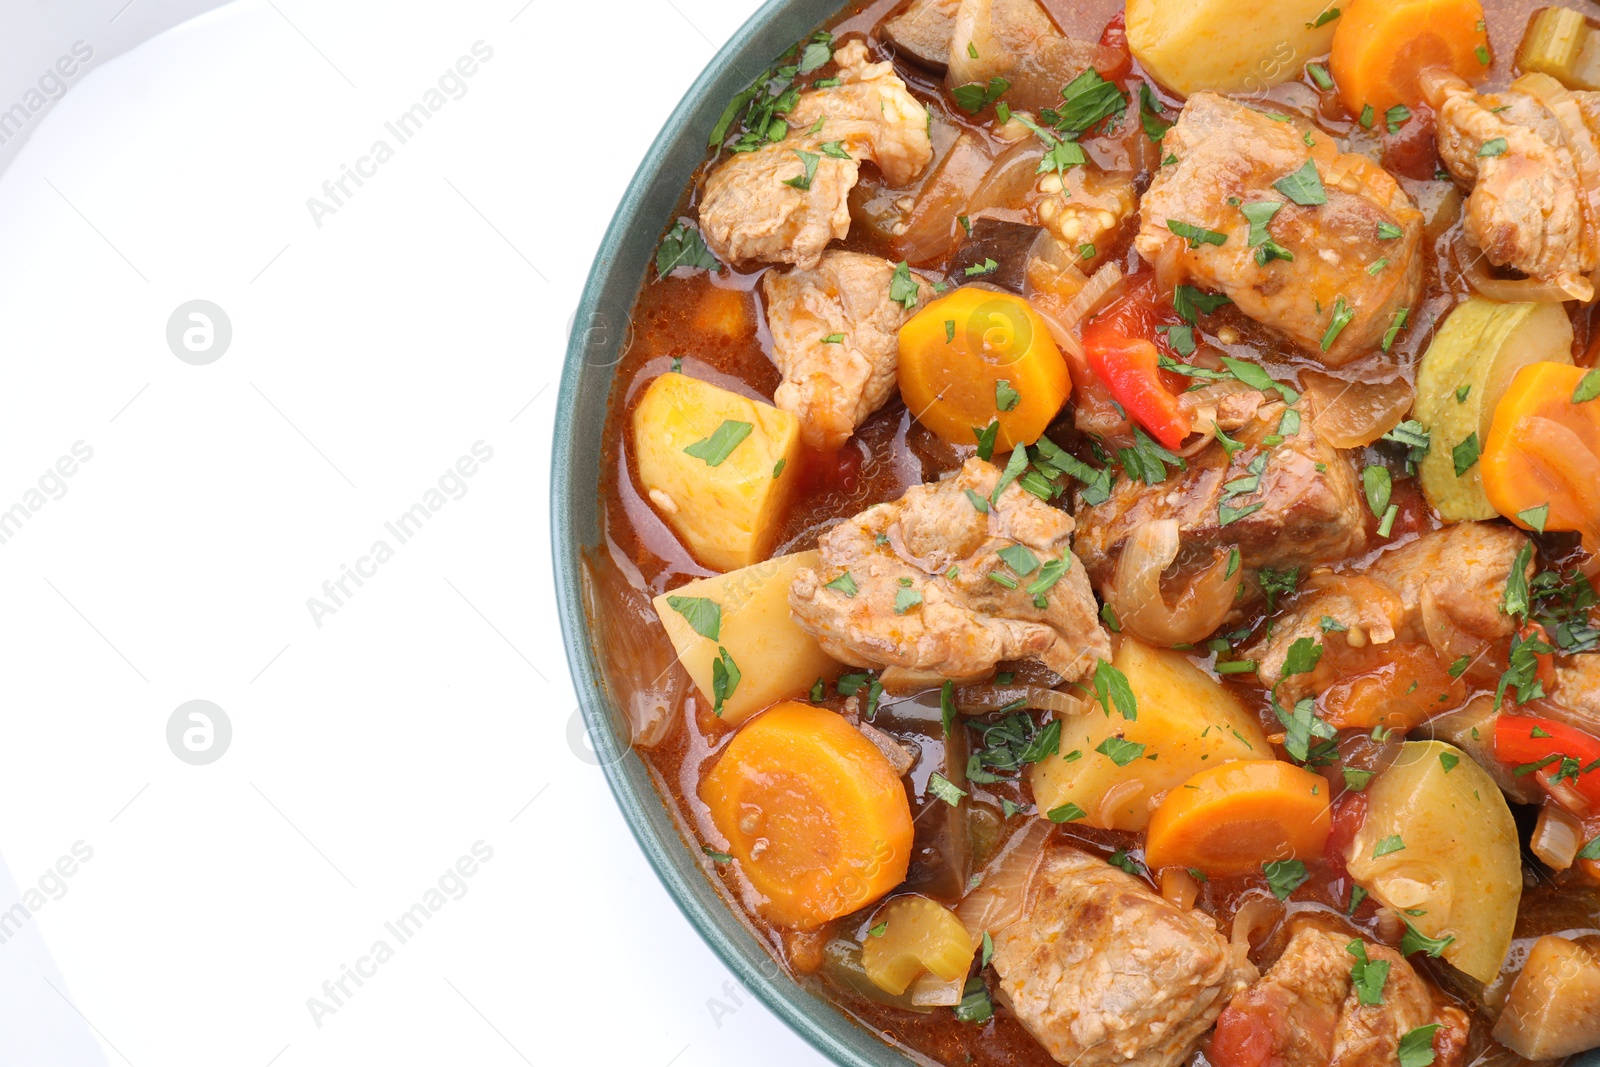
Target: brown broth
714,325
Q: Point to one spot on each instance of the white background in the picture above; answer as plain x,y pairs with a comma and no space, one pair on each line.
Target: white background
431,711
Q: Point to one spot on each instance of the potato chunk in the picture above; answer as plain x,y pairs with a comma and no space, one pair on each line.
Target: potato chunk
1186,722
725,504
775,658
1226,45
1553,1009
1439,844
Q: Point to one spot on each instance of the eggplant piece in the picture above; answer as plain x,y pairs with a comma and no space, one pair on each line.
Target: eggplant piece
1009,245
923,31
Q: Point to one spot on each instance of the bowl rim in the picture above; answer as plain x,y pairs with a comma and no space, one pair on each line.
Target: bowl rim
833,1033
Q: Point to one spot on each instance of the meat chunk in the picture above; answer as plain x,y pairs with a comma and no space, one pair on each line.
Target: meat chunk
1104,972
750,211
1282,510
1576,696
919,595
1228,157
1531,169
1306,1012
833,385
1444,588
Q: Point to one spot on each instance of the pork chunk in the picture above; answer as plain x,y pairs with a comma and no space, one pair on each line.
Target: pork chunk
1444,588
832,386
1103,972
1305,1011
1226,152
1295,514
751,212
1529,207
907,584
1576,699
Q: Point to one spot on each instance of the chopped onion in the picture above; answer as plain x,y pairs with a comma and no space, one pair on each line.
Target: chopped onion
1135,590
993,698
1013,175
931,991
1355,414
1179,887
1002,894
1257,916
1438,84
1563,287
641,667
1557,837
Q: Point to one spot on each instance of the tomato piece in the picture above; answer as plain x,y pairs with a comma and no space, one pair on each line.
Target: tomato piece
1565,752
1120,348
1115,38
1399,686
1349,812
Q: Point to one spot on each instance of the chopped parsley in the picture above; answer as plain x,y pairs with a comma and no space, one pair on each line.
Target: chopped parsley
1196,235
1303,186
809,160
683,247
704,615
720,445
845,584
1285,876
724,679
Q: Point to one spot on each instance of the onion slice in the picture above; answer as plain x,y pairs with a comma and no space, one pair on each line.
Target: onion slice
1355,414
1135,591
1002,894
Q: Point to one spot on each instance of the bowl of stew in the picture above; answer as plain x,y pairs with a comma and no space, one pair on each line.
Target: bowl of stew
1075,524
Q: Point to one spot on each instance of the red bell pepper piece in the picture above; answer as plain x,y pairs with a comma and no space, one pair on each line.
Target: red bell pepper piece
1121,353
1550,749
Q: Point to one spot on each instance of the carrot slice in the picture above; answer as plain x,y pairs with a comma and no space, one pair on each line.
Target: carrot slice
1232,818
1381,46
975,356
813,813
1543,451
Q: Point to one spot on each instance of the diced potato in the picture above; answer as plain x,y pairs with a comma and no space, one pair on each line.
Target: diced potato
1449,856
1227,45
1186,722
776,659
1553,1009
1465,372
727,512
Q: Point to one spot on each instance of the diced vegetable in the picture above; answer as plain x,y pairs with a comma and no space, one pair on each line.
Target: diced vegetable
776,659
1017,41
1355,414
1112,767
1232,818
813,814
1007,245
1399,686
1476,353
1120,351
719,467
922,32
1228,45
1561,43
1471,729
1381,46
1553,1009
1541,456
1552,751
956,351
1439,845
918,936
1557,837
932,229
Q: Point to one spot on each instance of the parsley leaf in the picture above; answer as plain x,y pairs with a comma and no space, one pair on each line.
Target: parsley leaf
905,600
973,98
809,160
1111,687
704,615
1342,314
1588,387
1378,484
1495,146
845,584
724,678
945,789
1285,876
1392,843
1416,1047
1196,235
1466,453
1190,302
1304,186
902,288
1367,976
720,445
1416,941
1068,812
683,247
1005,397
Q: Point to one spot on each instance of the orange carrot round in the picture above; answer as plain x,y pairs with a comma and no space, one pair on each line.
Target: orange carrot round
813,813
1381,46
1541,461
1232,818
975,356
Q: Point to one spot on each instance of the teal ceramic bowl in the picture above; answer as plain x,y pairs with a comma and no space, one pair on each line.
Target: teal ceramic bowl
598,332
599,329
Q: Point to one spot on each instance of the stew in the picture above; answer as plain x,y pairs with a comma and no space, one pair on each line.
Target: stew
1100,511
